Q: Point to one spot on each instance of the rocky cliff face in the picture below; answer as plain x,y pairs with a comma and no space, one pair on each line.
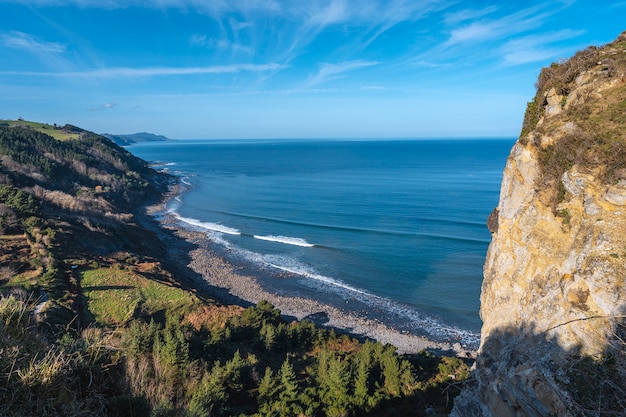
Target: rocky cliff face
553,295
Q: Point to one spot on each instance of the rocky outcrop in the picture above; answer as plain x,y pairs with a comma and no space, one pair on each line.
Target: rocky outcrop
553,295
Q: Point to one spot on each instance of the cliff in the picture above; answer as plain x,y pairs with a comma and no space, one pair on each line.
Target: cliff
553,299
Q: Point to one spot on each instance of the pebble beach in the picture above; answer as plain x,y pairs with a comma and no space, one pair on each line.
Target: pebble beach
233,284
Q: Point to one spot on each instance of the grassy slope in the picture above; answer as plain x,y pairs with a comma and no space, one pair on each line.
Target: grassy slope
56,132
114,297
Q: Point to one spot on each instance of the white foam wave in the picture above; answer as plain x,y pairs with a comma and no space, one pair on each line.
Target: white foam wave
415,320
213,227
286,240
304,272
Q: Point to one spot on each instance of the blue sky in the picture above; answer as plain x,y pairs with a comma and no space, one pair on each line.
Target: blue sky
288,69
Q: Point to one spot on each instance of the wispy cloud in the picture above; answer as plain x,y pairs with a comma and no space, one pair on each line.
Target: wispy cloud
214,6
375,17
457,17
29,43
430,64
153,72
535,48
497,34
329,72
221,44
282,29
520,22
106,106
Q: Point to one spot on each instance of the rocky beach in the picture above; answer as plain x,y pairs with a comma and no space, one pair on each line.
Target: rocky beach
236,284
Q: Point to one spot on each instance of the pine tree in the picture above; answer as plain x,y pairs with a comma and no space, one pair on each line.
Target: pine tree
334,379
267,388
361,382
211,396
288,391
391,371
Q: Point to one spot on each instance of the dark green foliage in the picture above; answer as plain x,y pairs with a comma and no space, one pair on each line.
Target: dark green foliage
90,161
20,201
334,375
531,117
139,338
241,375
263,313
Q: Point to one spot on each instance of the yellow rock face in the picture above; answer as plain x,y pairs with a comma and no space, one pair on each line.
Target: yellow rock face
555,270
559,272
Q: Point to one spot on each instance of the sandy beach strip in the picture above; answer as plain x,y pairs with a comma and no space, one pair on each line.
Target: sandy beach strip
231,284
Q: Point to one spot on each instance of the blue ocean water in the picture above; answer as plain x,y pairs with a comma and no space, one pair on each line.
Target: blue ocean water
396,228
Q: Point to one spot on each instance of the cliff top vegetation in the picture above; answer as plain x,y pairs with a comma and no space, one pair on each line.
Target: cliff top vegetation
578,116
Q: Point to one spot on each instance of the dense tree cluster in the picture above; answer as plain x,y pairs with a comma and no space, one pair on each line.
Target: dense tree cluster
152,369
92,162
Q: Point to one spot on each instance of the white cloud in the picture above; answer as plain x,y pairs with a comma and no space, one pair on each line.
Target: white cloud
27,42
153,72
329,72
519,22
467,14
535,48
430,64
106,106
198,40
221,44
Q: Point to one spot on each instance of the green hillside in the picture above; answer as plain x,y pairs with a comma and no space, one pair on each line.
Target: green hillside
66,132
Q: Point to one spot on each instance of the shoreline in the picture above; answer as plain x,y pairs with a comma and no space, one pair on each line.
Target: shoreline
230,283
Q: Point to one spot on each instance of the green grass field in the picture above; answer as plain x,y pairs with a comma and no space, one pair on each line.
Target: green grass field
51,130
115,296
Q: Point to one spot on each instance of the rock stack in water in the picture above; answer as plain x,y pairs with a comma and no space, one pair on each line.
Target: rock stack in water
553,299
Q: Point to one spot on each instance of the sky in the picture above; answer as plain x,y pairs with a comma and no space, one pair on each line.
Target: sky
229,69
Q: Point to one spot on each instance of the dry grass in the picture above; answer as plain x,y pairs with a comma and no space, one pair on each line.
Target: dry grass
597,144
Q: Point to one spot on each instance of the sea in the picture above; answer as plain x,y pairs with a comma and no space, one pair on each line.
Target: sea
394,230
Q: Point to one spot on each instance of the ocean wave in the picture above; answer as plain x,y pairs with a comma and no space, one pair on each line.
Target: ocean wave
365,230
412,318
409,316
212,227
286,240
305,272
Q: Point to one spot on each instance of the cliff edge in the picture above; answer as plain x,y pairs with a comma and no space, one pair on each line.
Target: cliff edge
553,298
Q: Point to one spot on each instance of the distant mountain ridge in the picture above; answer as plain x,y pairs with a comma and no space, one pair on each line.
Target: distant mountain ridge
125,140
